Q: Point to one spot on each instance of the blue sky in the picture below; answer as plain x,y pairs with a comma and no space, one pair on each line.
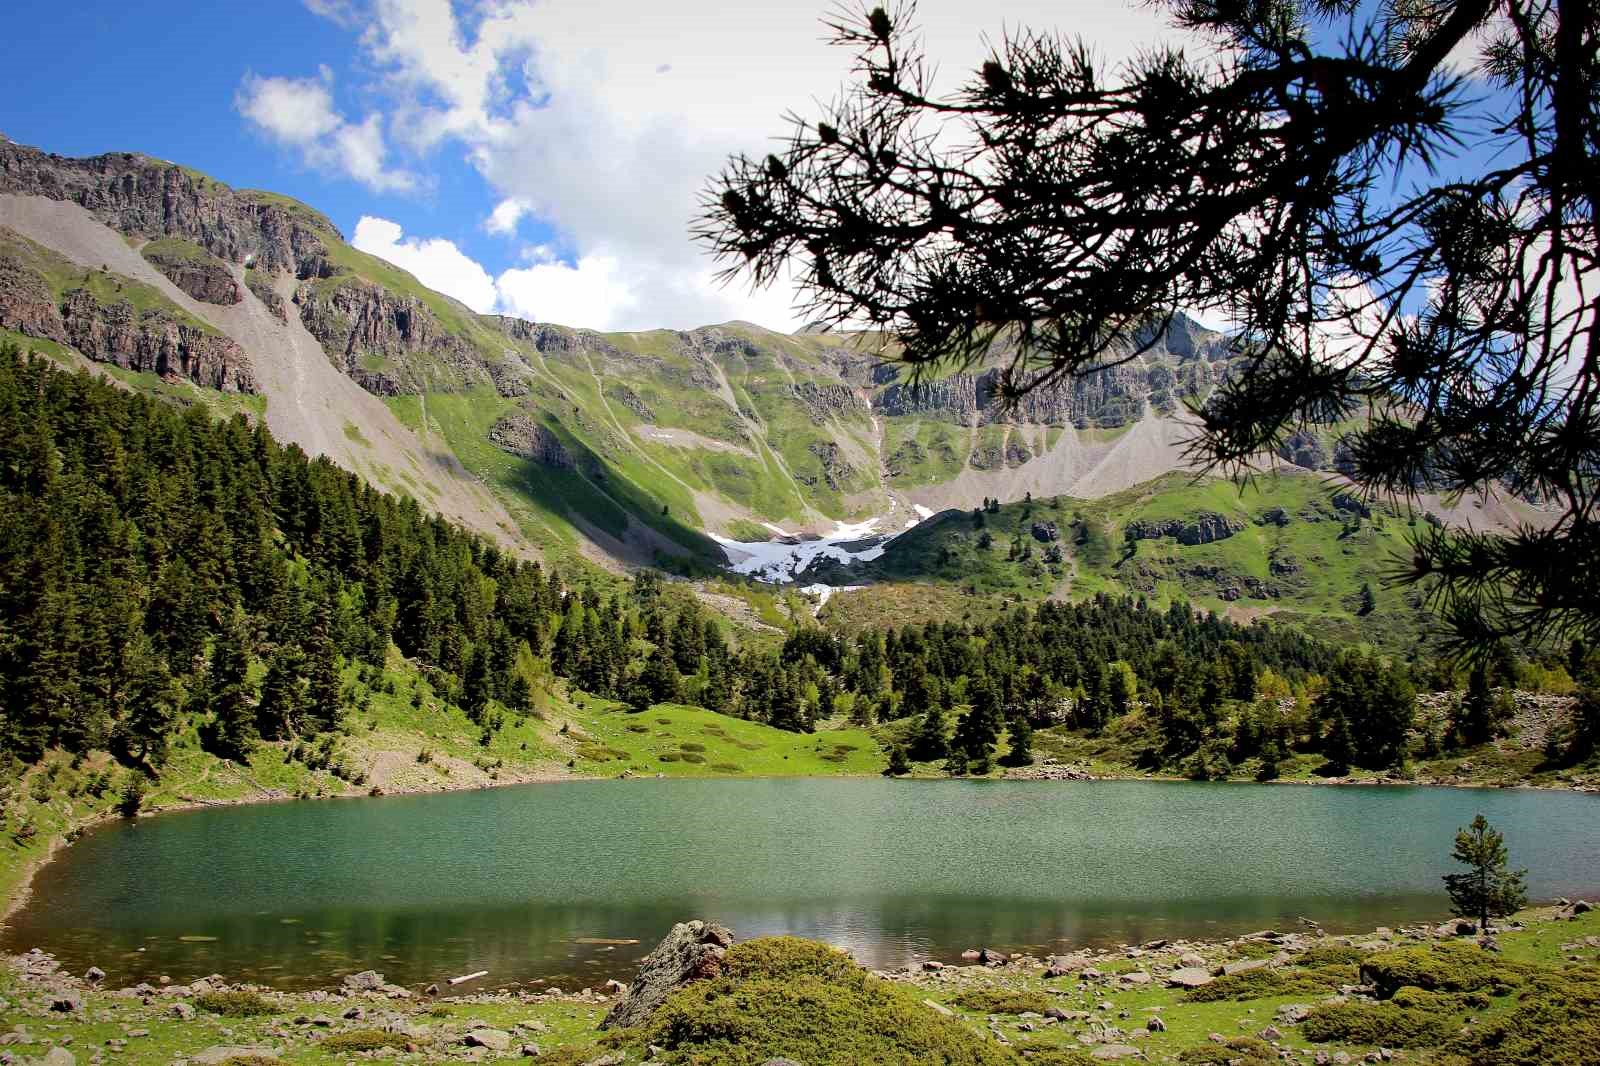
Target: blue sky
537,157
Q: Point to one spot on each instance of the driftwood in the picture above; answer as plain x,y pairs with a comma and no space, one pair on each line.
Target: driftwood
464,978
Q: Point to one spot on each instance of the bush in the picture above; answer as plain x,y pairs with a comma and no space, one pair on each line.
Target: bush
1556,1019
363,1040
1376,1024
693,756
1445,968
1261,984
236,1004
669,756
1331,955
786,997
1001,1001
1239,1051
728,767
690,745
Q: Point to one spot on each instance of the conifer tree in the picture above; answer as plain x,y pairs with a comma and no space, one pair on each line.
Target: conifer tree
1488,889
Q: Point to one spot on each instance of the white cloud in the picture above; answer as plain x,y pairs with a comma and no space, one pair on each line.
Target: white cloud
604,119
437,263
299,113
505,216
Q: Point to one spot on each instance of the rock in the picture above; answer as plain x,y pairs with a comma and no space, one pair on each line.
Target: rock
1271,1032
58,1056
1112,1052
1156,1025
615,987
1457,927
993,958
181,1011
615,1058
530,1051
522,436
1134,977
1294,1013
66,1002
193,270
365,981
933,966
1189,958
692,951
1189,977
493,1039
94,975
938,1008
1062,965
322,1021
1228,969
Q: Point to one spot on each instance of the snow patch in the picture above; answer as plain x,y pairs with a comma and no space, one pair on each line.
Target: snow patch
776,561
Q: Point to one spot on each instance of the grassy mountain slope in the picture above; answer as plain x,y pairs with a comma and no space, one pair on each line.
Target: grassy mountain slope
1293,553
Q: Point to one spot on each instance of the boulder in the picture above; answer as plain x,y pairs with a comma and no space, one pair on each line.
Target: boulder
58,1056
182,1011
692,951
94,975
1062,965
1189,977
1134,977
1112,1052
1229,969
66,1002
493,1039
365,981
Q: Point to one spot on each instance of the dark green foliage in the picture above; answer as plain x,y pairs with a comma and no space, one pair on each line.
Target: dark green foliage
1377,1024
783,997
1330,955
363,1040
1267,982
150,556
1366,712
1556,1018
1440,968
1489,888
238,1003
1237,1051
1002,1001
899,764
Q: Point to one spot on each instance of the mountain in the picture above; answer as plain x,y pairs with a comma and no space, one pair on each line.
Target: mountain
622,447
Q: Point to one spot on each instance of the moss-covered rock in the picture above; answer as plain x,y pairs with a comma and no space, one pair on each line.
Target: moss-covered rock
1441,968
1260,984
1556,1019
1376,1024
1001,1001
781,996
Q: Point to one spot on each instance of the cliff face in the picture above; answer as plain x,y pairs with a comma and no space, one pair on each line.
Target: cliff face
360,324
194,271
137,195
153,341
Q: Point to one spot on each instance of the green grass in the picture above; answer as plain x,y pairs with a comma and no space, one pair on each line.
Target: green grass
682,741
175,250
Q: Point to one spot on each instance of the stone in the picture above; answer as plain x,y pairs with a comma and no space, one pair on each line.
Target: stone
365,981
530,1051
58,1056
1229,969
94,975
1112,1052
493,1039
66,1002
1062,965
692,951
615,987
182,1011
1156,1025
615,1058
933,966
1191,959
938,1008
1189,977
1134,977
1271,1032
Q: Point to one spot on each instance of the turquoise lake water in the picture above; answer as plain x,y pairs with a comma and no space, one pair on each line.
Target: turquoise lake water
523,881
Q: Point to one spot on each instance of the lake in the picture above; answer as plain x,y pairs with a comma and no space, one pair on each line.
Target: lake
550,882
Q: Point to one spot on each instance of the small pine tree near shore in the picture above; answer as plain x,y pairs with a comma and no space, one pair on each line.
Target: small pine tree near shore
899,765
1488,889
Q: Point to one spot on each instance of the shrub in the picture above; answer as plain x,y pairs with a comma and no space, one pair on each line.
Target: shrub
1260,984
635,727
1001,1001
728,767
1444,968
1239,1051
1556,1019
669,756
1440,1002
363,1040
693,756
1332,955
235,1004
1375,1023
786,997
690,745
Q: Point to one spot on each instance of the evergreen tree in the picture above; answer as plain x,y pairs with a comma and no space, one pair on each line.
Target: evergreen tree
1021,733
929,743
283,695
899,764
1488,889
229,696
